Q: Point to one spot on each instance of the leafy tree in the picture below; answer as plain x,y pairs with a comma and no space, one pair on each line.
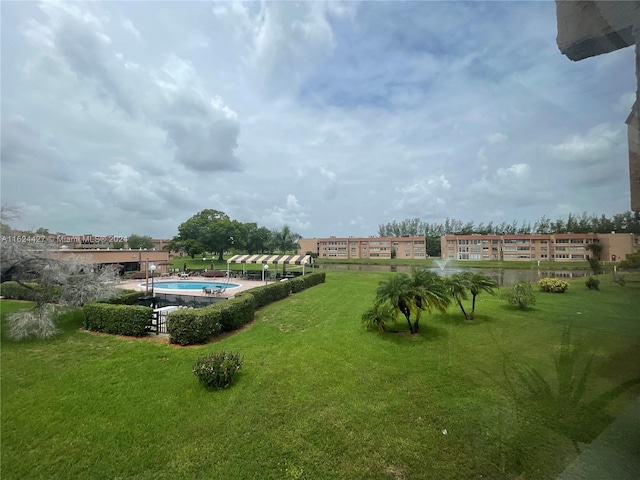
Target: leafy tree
596,249
211,230
137,242
117,245
5,229
595,266
42,231
254,239
54,283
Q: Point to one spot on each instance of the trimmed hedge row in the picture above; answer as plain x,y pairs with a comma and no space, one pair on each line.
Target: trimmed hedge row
131,320
33,292
191,326
127,297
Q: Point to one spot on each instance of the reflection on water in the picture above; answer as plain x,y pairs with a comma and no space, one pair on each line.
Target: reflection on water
501,276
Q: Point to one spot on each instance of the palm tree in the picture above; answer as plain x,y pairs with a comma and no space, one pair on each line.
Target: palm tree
431,293
379,316
285,240
458,284
479,282
400,291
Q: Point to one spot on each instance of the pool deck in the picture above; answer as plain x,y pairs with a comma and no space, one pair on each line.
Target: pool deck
230,293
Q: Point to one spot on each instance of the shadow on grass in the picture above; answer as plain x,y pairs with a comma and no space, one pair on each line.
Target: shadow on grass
561,399
401,334
458,319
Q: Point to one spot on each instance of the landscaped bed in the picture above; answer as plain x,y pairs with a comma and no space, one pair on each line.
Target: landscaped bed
319,397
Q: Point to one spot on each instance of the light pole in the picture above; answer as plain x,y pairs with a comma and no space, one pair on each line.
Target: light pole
152,267
204,262
265,267
304,262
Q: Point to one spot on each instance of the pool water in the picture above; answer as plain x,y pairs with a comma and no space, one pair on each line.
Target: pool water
178,285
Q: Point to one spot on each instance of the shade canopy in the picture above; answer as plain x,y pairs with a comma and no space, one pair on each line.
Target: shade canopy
275,259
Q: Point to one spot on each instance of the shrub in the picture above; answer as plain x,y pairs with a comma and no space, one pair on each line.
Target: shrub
216,370
520,295
593,283
553,285
191,326
131,320
631,261
594,264
30,291
619,279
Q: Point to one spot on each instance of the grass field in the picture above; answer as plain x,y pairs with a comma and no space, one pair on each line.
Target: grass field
318,397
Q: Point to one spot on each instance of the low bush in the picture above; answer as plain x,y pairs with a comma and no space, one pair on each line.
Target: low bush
217,370
30,291
553,285
131,320
592,283
520,295
631,261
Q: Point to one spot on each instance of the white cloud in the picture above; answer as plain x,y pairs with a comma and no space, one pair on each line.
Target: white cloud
595,146
339,116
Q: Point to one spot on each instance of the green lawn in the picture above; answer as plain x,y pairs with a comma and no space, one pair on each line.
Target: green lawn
320,398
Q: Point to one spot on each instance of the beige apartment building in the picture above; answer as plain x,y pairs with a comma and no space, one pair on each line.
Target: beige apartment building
561,247
365,247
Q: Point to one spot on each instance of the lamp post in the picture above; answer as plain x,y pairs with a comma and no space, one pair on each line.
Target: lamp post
204,262
304,262
265,267
152,267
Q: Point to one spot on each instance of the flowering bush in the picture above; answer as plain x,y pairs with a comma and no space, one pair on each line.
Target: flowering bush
553,285
216,370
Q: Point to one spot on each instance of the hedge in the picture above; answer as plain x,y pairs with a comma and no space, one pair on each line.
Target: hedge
131,320
277,291
187,327
33,292
126,297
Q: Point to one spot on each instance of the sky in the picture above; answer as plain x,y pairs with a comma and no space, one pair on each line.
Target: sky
332,118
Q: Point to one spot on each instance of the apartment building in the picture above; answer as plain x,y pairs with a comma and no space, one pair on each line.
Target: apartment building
365,247
561,247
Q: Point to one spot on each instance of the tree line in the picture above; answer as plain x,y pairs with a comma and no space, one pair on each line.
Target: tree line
582,223
214,231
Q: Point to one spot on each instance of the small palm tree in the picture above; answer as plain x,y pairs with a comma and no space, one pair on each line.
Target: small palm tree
431,293
458,284
379,316
400,291
479,282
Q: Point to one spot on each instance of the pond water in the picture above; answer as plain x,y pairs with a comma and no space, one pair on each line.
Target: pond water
502,276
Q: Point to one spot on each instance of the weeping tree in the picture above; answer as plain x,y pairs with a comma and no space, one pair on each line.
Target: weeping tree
53,282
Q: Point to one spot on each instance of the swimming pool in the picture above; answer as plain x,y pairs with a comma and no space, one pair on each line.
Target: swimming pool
186,285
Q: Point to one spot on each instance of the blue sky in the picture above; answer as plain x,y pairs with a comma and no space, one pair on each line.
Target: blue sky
130,117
